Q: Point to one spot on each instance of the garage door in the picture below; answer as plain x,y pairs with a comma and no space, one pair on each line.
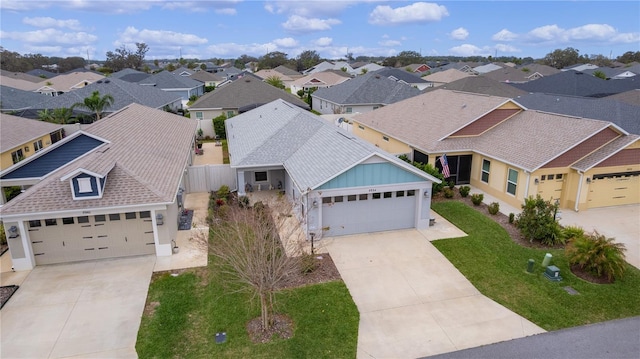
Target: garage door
614,189
71,239
550,186
368,212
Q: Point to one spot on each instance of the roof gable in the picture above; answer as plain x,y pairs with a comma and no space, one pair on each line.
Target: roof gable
486,122
371,174
370,88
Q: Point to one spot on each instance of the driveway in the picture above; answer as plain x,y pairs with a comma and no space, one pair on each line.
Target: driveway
620,222
78,310
413,302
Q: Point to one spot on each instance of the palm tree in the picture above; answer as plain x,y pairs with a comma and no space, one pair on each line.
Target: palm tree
96,104
275,81
58,115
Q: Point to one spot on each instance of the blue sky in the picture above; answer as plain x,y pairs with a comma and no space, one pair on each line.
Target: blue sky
228,29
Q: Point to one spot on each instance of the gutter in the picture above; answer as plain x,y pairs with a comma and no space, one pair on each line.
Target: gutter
579,190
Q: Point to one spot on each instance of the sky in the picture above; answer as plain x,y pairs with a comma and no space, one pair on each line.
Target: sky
231,28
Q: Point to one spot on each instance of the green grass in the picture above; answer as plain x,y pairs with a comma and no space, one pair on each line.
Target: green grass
192,309
497,267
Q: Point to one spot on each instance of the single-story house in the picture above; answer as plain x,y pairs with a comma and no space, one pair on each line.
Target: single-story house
21,138
511,153
111,190
405,77
318,80
183,86
338,184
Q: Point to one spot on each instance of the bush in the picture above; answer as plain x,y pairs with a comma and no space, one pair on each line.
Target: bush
451,184
425,167
477,198
512,217
223,192
218,126
3,236
493,208
572,232
448,192
308,263
537,222
598,255
243,201
464,191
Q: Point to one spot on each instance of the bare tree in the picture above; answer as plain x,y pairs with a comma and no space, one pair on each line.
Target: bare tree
249,252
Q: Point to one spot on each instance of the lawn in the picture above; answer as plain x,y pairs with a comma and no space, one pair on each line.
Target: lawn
194,306
497,267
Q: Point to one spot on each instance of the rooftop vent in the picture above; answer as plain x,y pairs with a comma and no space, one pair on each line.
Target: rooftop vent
107,81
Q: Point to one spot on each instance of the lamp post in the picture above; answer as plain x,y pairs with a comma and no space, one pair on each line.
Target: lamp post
555,208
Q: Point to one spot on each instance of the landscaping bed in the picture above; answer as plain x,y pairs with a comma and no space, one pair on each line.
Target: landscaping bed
6,292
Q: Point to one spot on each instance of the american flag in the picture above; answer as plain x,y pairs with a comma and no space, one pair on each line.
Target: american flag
445,166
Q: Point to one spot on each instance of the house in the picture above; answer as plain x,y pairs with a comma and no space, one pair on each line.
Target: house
111,190
521,74
207,78
482,85
446,76
266,74
500,147
288,72
20,76
130,75
124,93
366,67
238,97
66,82
327,65
631,97
21,138
337,183
575,83
624,115
183,86
361,94
319,80
611,73
419,69
183,71
42,74
483,69
15,100
580,67
404,77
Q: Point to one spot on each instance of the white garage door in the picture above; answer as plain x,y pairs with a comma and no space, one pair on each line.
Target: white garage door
71,239
368,212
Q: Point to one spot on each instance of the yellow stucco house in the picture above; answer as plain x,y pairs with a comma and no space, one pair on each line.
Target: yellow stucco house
23,137
509,152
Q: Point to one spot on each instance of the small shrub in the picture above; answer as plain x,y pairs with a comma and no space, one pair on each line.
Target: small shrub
512,217
223,211
572,232
477,198
223,191
243,201
598,255
448,192
258,206
308,263
464,191
493,208
3,236
452,184
220,202
537,222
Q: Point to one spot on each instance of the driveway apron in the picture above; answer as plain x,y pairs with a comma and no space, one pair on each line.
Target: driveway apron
413,302
78,310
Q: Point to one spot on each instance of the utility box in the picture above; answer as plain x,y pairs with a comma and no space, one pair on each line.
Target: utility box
553,274
546,260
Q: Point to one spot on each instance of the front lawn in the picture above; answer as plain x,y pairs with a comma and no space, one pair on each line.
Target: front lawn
496,265
184,313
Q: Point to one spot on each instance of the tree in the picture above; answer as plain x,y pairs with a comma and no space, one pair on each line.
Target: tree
243,60
629,57
275,81
600,74
562,58
600,61
218,126
124,58
248,252
60,115
96,104
71,63
307,59
537,221
272,60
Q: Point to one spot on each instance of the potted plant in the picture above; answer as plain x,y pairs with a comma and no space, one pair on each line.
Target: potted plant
199,138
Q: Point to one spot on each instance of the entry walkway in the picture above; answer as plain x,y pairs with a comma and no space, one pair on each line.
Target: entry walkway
413,302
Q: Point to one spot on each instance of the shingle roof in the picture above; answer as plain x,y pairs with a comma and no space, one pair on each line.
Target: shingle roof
447,76
15,99
150,150
575,83
401,75
605,152
624,115
631,97
40,73
329,78
287,71
21,76
311,150
265,74
67,81
167,80
481,85
17,131
18,83
370,88
204,76
247,91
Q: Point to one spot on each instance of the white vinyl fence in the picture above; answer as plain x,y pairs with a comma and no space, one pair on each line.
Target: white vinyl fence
209,178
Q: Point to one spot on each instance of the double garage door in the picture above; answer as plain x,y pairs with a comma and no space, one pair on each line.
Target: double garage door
614,189
368,212
59,240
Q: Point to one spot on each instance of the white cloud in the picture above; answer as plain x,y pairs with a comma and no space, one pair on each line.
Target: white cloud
51,37
459,34
323,42
506,48
504,35
599,33
232,49
51,22
389,43
308,8
287,42
161,37
624,38
22,5
469,50
415,13
547,33
226,11
299,24
591,32
109,7
219,7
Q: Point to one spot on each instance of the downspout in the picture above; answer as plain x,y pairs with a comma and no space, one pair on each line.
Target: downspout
579,190
526,189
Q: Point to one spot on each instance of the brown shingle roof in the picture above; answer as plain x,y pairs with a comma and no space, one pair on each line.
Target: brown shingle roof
16,131
609,150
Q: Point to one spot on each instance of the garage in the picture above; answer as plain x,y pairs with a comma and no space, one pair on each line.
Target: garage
70,239
614,189
368,212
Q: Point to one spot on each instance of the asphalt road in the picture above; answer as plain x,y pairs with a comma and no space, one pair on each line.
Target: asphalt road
617,339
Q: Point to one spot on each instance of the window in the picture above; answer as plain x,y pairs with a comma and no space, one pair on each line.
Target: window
37,145
83,219
114,217
512,181
385,138
550,177
68,220
559,176
338,199
326,200
411,193
260,176
349,110
199,115
388,194
17,156
543,177
376,107
145,214
100,218
130,215
486,167
363,197
50,222
375,196
230,114
361,127
84,185
400,194
35,223
352,197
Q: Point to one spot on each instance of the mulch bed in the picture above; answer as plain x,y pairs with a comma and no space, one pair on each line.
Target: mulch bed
6,292
325,271
282,327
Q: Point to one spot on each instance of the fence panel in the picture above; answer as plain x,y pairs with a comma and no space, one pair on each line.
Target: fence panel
209,178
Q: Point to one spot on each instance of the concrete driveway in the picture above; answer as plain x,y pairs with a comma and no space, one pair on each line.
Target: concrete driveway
620,222
78,310
413,302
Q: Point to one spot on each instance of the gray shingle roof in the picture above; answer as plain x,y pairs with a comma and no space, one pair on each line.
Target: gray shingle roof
370,88
624,115
574,83
401,75
631,97
311,150
167,80
245,92
17,131
481,85
149,148
15,99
